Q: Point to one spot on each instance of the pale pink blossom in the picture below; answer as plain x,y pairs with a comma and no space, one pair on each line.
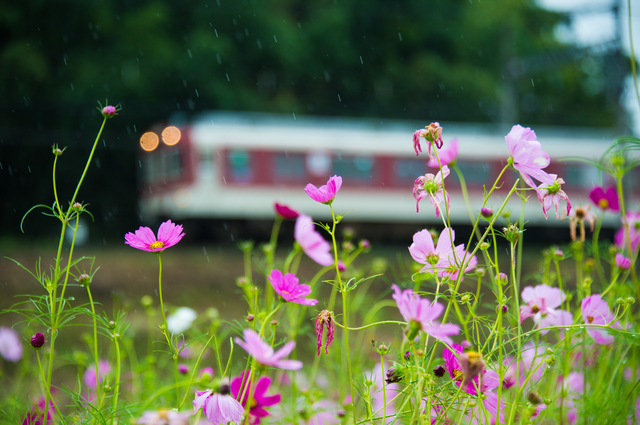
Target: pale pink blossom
447,155
10,345
378,395
164,417
264,354
530,364
431,186
325,193
90,379
551,194
312,242
421,314
595,311
218,408
169,234
435,258
542,302
633,218
527,155
288,288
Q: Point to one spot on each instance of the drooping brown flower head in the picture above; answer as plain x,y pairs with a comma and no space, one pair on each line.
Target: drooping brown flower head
325,318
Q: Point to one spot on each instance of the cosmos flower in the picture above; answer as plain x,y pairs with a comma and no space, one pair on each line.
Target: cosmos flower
421,315
578,216
288,288
431,186
517,371
432,134
285,212
168,235
312,242
447,155
90,379
633,218
181,320
378,394
433,257
527,155
259,399
551,194
263,352
325,193
325,318
541,303
595,311
219,408
10,345
164,417
35,416
622,262
605,199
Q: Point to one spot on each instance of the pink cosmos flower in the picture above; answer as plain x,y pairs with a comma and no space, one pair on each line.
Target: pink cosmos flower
552,194
574,385
595,311
35,416
431,186
259,399
168,235
435,258
420,314
633,218
378,394
447,155
218,408
312,242
605,199
10,345
90,379
285,211
532,357
325,318
527,155
325,193
541,303
432,134
263,352
164,417
288,288
622,262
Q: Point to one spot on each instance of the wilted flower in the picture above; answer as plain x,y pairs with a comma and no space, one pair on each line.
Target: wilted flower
263,352
432,134
527,155
288,288
181,320
420,315
447,155
259,400
285,211
37,340
472,365
595,311
431,186
605,199
325,193
312,242
578,216
10,345
218,407
164,417
325,318
551,193
168,235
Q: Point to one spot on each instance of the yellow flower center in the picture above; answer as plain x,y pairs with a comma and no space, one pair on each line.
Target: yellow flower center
603,203
156,245
252,403
163,415
535,308
457,375
590,319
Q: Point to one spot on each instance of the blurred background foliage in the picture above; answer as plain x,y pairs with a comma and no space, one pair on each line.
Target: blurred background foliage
442,60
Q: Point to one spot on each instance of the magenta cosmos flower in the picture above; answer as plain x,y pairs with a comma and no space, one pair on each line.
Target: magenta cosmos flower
325,193
164,417
541,303
285,212
10,345
595,311
35,416
605,199
218,408
420,315
168,235
263,352
633,218
432,134
447,155
552,194
288,288
527,155
312,242
622,262
431,186
259,399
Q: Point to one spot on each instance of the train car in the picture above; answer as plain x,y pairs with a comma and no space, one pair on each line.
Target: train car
226,165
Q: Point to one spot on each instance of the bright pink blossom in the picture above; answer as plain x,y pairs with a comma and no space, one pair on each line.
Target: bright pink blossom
288,288
633,218
312,242
263,352
218,408
325,193
527,155
551,194
169,234
431,186
595,311
541,304
447,155
421,314
622,262
259,399
10,345
285,211
605,199
90,379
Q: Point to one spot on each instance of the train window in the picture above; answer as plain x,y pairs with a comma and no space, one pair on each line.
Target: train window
408,170
475,173
240,166
289,166
173,167
359,167
319,163
581,175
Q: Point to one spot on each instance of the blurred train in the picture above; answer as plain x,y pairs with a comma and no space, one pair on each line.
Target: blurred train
226,165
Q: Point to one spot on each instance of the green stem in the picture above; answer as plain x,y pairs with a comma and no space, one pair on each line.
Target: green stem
273,241
95,339
516,297
595,250
117,387
195,368
55,190
84,173
384,322
164,318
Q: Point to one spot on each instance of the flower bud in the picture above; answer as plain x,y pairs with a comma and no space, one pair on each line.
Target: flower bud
382,349
472,365
589,265
550,360
241,281
183,369
250,318
504,309
439,371
502,279
112,324
484,246
630,300
364,244
557,254
56,150
212,313
465,298
393,375
247,246
84,280
407,355
419,353
620,301
480,271
534,398
617,160
368,382
348,233
109,111
274,323
77,206
37,341
348,246
486,212
146,301
511,233
107,388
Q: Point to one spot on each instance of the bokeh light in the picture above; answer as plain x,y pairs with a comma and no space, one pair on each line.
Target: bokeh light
171,135
149,141
182,198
